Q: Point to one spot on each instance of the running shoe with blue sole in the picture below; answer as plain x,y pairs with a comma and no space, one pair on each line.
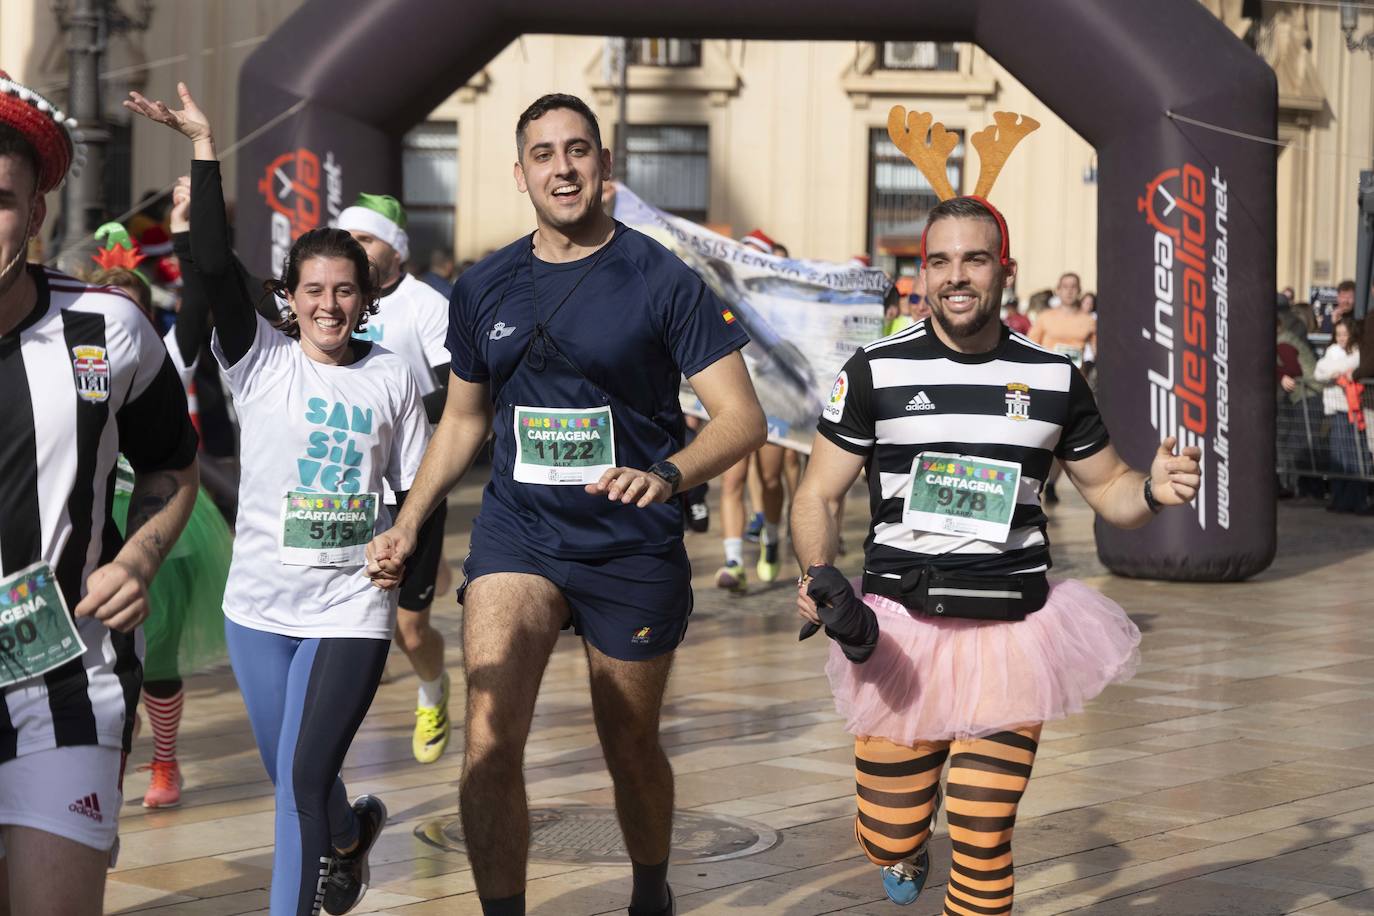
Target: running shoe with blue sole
904,881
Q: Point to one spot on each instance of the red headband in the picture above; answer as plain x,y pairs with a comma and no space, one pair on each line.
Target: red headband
43,125
1004,255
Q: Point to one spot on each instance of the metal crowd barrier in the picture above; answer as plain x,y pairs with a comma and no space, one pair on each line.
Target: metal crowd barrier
1312,443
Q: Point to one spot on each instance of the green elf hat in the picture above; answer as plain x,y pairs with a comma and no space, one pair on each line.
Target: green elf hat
119,251
381,216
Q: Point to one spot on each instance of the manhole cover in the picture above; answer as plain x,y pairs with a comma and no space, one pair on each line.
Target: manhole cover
591,836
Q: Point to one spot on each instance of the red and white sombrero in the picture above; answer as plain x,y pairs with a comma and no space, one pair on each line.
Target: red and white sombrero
52,133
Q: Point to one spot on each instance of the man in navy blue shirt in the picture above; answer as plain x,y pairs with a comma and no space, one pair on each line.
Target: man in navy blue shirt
570,344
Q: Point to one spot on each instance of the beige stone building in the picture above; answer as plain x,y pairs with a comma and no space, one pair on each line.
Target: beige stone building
784,136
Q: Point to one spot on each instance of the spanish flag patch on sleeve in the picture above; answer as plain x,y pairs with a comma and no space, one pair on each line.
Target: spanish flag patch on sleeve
728,315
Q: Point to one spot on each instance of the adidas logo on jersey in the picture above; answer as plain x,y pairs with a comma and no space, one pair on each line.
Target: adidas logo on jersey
88,807
920,402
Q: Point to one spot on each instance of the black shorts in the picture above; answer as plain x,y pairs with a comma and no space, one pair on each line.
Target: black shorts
417,588
632,608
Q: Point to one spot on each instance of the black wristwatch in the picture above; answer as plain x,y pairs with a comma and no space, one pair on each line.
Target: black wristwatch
669,472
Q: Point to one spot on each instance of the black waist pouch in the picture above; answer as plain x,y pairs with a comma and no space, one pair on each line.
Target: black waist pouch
949,593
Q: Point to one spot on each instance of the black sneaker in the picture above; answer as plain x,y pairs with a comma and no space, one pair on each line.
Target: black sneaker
348,879
698,512
669,910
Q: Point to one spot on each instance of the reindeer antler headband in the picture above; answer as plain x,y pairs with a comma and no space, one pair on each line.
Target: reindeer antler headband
994,143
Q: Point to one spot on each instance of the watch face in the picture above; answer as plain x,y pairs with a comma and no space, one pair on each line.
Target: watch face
668,472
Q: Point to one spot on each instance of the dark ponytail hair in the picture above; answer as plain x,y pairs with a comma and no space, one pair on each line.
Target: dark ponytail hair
327,242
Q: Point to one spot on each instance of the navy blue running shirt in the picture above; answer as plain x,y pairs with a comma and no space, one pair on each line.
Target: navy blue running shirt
636,323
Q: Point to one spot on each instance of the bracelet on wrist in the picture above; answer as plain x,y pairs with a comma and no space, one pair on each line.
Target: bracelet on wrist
1150,501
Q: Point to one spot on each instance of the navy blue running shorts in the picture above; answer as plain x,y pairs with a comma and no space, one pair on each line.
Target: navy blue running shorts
631,608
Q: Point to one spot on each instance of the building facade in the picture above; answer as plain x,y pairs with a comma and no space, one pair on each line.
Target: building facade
789,137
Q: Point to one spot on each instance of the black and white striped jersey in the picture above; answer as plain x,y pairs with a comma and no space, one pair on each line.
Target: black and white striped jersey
84,377
908,393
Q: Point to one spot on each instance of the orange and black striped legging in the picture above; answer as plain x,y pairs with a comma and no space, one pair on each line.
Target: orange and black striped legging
987,776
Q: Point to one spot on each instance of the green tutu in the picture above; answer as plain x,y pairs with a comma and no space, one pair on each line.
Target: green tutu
185,628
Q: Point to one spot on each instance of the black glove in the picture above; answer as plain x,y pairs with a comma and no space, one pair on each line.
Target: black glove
848,621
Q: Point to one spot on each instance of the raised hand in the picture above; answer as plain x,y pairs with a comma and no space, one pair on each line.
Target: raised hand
181,205
1174,478
189,120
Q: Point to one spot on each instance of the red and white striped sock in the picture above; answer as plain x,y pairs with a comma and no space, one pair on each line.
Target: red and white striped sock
165,715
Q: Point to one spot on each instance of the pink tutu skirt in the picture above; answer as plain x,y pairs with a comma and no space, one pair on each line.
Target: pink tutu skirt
937,679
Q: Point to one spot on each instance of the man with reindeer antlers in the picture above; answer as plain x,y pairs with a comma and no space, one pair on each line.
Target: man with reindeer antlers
959,648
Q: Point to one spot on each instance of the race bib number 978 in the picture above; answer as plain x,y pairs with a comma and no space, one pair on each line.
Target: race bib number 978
956,494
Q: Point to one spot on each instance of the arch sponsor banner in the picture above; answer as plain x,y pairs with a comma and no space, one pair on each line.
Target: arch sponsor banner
1186,350
1143,83
804,318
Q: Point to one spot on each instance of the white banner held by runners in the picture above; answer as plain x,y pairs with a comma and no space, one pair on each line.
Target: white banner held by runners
804,318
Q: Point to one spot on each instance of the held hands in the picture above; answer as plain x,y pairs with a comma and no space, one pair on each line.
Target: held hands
387,554
181,205
628,485
190,121
116,596
1174,478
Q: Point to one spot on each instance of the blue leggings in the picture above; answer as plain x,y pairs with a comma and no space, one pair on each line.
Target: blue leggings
306,699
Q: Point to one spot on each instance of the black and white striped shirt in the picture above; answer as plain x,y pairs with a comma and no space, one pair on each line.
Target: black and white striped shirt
83,377
909,393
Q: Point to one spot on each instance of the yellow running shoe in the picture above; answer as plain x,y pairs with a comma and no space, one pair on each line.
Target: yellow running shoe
731,578
768,567
431,729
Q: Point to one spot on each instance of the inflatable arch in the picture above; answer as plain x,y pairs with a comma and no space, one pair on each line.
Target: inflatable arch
1185,214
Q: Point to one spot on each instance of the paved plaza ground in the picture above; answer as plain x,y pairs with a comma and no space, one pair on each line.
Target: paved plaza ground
1233,775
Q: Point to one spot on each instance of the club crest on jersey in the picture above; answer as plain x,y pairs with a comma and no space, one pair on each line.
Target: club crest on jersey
834,408
91,368
1018,401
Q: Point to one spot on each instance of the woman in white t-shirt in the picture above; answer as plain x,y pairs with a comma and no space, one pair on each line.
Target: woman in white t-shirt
1349,453
325,420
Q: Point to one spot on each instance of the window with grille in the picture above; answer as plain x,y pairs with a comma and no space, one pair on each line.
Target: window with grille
429,187
669,167
900,198
665,52
918,55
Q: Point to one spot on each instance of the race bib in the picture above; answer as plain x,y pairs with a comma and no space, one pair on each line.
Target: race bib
1075,354
563,447
326,529
37,632
956,494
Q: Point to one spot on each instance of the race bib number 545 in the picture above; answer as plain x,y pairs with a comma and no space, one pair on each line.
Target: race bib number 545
956,494
37,632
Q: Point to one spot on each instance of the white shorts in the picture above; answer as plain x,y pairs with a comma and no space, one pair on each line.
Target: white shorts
71,792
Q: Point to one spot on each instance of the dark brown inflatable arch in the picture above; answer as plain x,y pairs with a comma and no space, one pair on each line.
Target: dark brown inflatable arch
1185,214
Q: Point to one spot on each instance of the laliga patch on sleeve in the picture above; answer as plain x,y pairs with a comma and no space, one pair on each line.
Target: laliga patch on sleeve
834,408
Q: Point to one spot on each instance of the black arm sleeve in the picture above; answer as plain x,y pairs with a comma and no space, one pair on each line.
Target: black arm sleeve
155,433
220,277
193,320
434,401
